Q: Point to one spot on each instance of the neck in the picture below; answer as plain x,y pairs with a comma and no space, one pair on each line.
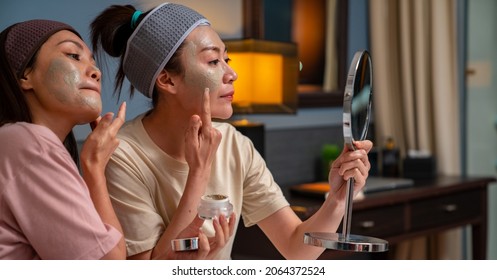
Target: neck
59,127
167,130
56,121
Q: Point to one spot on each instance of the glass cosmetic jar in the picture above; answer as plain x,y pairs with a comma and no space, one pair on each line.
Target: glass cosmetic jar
213,205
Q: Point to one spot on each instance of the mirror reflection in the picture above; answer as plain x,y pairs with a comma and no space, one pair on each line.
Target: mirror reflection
357,99
361,99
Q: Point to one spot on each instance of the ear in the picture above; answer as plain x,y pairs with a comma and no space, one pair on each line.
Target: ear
166,82
25,81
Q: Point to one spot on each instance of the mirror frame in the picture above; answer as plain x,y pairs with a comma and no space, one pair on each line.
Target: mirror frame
253,27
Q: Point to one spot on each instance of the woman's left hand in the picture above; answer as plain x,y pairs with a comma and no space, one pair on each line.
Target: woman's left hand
350,164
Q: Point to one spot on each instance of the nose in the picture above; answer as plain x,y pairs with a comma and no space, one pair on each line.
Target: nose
94,73
229,75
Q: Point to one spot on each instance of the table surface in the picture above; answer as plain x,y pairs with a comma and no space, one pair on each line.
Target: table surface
420,190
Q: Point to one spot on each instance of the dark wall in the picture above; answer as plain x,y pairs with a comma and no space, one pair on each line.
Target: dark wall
293,155
278,20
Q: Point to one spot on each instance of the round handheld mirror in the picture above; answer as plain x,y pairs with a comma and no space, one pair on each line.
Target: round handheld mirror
357,101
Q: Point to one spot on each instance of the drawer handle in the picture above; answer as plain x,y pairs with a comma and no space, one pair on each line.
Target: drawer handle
450,207
367,224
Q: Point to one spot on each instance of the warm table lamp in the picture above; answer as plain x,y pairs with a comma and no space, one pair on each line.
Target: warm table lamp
267,76
267,82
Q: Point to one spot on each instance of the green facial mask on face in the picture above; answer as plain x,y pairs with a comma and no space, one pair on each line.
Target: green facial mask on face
63,84
61,80
197,76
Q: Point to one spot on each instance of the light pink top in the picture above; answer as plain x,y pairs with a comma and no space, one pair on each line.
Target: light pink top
45,206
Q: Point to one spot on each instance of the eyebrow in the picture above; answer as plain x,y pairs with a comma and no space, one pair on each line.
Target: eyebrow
78,44
71,41
213,48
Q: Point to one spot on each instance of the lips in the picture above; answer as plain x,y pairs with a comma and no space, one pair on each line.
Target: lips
90,86
228,95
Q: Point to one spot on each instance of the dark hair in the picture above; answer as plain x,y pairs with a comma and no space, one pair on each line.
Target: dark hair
13,104
111,30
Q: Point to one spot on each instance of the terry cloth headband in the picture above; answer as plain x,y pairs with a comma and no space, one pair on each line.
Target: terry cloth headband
25,38
154,42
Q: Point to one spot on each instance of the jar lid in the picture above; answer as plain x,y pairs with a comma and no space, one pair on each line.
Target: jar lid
214,198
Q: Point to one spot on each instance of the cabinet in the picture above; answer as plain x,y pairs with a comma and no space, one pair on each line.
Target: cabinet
428,207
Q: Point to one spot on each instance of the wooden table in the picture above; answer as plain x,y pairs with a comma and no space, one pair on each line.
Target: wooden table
428,207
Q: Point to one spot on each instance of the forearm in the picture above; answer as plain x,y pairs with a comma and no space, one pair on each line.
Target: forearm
286,230
95,180
326,219
187,210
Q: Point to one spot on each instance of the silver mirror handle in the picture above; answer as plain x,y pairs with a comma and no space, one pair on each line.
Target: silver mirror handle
347,217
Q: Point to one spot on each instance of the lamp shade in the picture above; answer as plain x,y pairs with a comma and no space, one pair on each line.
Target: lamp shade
267,76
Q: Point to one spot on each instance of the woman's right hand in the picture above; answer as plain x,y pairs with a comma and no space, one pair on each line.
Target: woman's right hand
200,146
207,247
201,139
95,155
102,141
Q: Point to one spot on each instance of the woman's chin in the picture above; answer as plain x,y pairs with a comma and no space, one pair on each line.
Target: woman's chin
90,117
223,114
223,117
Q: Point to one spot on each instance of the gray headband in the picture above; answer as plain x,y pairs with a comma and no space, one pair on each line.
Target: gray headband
154,42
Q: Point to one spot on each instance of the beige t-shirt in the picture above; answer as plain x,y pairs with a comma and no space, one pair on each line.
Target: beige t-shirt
146,184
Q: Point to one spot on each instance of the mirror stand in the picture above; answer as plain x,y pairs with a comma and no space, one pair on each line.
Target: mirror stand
345,241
